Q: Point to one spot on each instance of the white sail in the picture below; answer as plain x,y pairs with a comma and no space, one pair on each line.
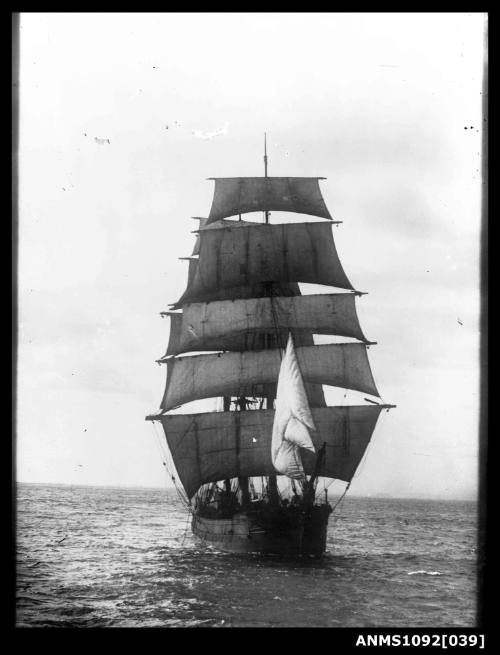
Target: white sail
292,419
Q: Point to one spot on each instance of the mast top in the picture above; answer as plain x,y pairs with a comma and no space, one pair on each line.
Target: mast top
266,213
265,155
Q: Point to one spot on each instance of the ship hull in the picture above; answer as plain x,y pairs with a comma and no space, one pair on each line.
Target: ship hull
244,533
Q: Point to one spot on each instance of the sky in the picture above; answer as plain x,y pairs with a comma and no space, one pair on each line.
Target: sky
124,116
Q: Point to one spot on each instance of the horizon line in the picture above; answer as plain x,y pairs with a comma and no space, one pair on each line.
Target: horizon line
376,495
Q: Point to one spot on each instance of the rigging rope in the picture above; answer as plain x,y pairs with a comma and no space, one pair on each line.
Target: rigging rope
365,454
165,456
342,496
357,473
186,527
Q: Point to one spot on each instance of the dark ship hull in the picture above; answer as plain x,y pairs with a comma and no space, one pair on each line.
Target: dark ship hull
259,532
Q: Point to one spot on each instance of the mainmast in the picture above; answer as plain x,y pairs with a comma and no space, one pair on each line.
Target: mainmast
242,402
272,482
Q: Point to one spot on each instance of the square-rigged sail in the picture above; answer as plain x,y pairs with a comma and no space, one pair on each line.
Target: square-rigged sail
241,195
241,303
292,418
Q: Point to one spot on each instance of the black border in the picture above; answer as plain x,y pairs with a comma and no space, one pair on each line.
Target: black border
345,637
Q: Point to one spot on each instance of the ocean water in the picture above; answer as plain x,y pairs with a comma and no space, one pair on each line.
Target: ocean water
109,557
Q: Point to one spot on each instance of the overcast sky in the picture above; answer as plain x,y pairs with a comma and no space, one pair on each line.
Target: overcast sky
386,106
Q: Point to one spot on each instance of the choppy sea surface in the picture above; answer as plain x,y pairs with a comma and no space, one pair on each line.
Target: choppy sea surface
109,557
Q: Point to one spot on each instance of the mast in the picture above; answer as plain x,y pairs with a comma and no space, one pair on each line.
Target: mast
309,486
242,404
266,213
265,155
272,482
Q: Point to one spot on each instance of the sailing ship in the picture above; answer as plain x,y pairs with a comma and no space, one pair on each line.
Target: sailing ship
250,469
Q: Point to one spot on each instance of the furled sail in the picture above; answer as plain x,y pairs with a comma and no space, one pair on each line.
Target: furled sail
218,445
292,418
242,374
240,195
258,253
238,324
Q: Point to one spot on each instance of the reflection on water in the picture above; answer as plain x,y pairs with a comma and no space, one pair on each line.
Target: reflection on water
91,557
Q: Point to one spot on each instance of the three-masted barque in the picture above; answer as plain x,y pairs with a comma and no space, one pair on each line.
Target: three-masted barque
250,470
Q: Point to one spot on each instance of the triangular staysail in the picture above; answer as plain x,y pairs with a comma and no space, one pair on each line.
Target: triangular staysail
292,418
